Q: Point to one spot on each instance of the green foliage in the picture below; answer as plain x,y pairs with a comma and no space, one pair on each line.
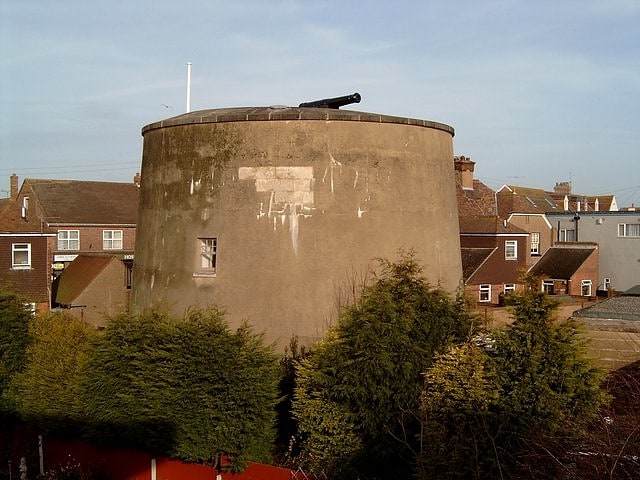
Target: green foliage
548,383
358,395
14,339
458,404
189,388
513,406
47,391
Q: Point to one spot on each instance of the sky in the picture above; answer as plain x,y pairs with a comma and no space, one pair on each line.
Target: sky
537,91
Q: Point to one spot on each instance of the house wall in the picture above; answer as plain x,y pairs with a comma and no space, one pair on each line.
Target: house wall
496,270
105,295
91,239
33,283
472,293
619,257
534,223
587,271
299,209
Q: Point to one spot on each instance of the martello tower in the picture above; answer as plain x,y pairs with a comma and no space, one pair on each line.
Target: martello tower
270,211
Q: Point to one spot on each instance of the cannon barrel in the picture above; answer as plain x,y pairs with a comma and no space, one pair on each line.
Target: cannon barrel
336,102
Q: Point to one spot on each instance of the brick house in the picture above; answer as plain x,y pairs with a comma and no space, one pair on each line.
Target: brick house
493,257
569,268
474,197
531,208
493,251
73,217
527,208
24,264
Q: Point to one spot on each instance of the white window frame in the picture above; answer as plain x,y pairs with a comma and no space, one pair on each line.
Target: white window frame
19,249
535,243
629,230
509,288
510,249
68,239
484,293
208,255
548,287
112,239
606,282
586,284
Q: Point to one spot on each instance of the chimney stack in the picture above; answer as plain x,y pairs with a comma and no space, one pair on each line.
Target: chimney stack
464,171
13,186
562,188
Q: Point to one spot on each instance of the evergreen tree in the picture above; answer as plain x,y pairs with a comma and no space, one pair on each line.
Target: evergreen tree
550,390
14,339
458,405
189,388
47,391
513,405
357,400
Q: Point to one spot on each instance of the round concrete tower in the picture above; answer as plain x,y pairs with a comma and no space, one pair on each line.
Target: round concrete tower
270,212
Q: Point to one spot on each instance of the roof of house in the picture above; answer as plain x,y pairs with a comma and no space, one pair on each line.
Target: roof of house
513,198
562,262
491,225
586,203
12,221
78,275
86,202
518,199
480,200
472,259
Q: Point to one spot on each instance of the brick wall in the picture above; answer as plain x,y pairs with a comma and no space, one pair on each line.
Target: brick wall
91,239
587,271
31,283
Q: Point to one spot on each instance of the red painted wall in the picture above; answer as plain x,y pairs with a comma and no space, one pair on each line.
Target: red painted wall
122,464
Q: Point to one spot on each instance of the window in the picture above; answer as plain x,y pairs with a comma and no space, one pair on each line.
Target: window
511,249
112,239
21,255
629,230
535,243
68,239
485,293
586,288
567,235
509,288
208,252
547,287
